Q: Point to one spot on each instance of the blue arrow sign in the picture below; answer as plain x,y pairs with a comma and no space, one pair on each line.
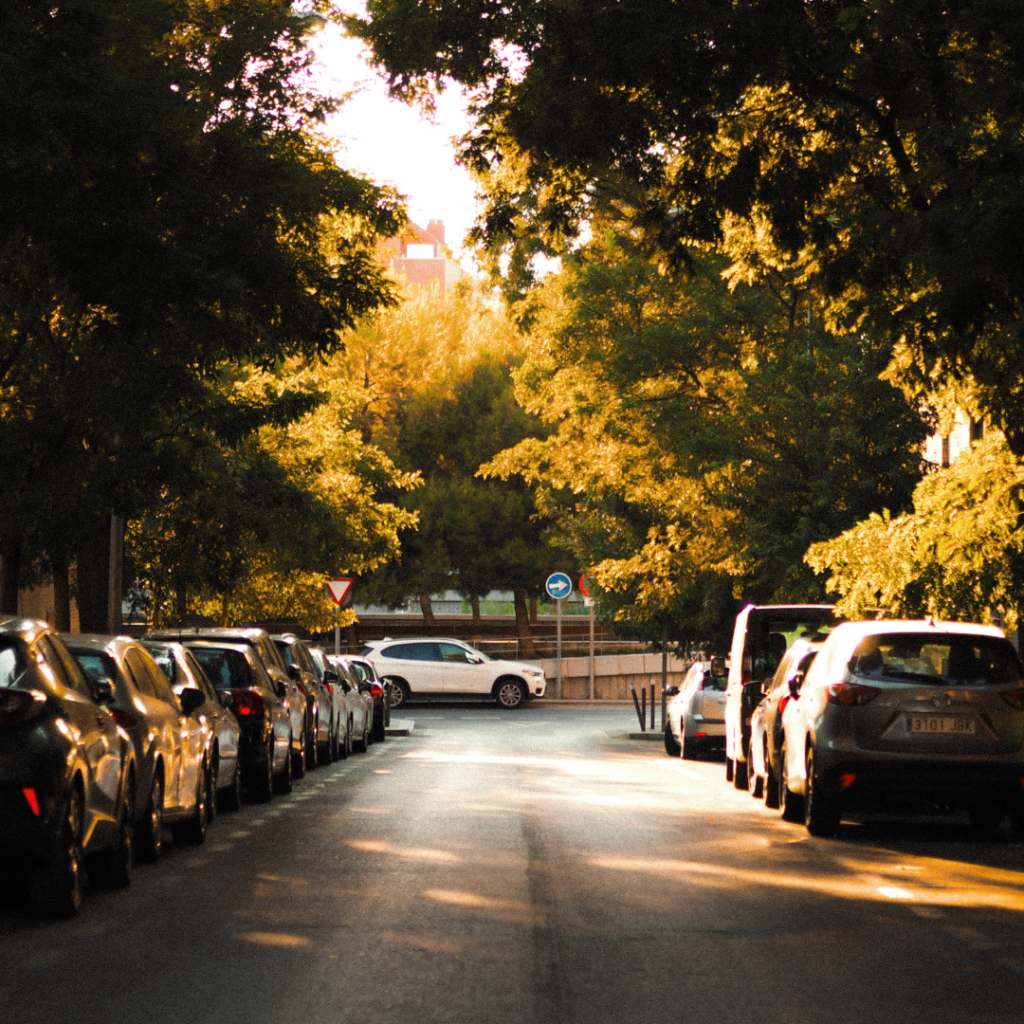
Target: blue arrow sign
558,585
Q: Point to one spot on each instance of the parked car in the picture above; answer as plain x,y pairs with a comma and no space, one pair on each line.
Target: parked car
359,703
185,673
695,714
760,638
68,772
171,748
923,713
259,640
259,704
379,692
319,699
766,724
430,667
341,742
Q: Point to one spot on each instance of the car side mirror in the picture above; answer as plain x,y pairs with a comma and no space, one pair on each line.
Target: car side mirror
796,685
294,672
103,690
718,670
364,687
671,691
279,687
191,699
226,698
330,676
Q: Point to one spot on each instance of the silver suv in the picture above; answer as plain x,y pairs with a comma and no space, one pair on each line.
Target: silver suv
440,667
920,713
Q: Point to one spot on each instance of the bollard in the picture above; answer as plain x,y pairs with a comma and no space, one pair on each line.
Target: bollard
643,706
636,704
652,705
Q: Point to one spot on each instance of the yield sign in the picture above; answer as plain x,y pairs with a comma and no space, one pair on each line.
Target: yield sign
338,589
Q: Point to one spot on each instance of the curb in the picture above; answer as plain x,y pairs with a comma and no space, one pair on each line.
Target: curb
400,728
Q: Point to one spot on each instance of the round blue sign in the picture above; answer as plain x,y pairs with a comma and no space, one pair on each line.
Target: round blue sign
558,585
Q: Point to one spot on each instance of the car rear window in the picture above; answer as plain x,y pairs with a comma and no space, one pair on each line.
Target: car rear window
227,670
771,632
959,659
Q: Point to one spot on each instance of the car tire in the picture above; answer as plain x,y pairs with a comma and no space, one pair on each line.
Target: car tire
325,749
790,806
359,745
739,774
770,791
400,694
231,798
263,781
212,784
822,812
114,868
284,779
150,840
298,761
755,782
510,694
729,765
193,828
55,887
345,745
380,733
985,819
672,747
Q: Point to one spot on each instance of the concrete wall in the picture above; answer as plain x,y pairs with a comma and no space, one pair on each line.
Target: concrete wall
613,675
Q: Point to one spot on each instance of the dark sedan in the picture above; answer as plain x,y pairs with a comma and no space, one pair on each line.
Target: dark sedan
67,772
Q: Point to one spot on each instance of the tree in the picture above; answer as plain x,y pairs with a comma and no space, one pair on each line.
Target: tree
175,215
959,555
874,148
707,435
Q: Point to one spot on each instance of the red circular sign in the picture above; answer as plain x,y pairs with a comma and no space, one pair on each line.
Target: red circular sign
584,584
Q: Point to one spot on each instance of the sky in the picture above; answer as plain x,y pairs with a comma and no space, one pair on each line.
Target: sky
393,143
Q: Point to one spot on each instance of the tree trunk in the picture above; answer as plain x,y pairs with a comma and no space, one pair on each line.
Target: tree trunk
428,611
225,607
533,609
93,579
474,604
523,624
115,578
10,573
61,595
181,604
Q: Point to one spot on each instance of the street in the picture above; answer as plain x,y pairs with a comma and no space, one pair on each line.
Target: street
535,866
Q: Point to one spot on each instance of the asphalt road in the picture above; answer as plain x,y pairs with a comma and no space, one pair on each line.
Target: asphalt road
535,866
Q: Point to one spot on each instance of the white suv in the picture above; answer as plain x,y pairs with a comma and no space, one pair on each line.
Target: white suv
439,667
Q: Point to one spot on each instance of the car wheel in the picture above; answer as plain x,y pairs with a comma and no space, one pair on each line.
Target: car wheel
283,780
298,761
55,888
212,782
821,803
672,747
193,829
399,694
755,783
151,837
739,774
986,819
789,802
115,867
312,732
325,749
263,782
379,730
335,745
511,695
729,764
231,798
359,745
770,791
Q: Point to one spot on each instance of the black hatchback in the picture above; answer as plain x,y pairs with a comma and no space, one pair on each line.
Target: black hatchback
67,772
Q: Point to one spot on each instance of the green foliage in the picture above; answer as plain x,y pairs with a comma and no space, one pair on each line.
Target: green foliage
874,148
959,555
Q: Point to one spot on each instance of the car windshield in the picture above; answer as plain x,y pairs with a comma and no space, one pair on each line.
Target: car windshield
12,663
958,659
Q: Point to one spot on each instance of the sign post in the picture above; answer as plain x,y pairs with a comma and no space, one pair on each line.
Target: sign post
558,586
338,591
589,602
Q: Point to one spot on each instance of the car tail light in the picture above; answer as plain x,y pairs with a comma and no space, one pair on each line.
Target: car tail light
125,719
330,687
31,799
376,689
247,703
783,701
846,780
701,735
18,705
1015,698
851,694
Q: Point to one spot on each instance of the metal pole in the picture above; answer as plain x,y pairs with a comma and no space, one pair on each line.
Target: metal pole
558,648
114,574
636,704
664,669
652,704
593,678
337,640
643,708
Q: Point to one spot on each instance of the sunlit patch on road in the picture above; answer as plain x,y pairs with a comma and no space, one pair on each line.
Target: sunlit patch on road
429,944
393,850
278,939
505,910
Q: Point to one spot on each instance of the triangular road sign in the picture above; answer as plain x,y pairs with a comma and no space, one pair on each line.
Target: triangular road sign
338,589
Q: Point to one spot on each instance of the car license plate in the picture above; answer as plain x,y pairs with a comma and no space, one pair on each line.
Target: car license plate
935,725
